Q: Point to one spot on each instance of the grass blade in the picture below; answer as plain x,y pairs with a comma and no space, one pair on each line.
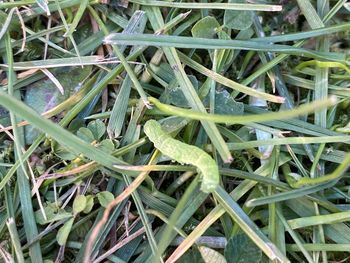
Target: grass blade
192,42
248,226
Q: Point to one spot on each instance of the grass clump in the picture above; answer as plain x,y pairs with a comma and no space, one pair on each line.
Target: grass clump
259,89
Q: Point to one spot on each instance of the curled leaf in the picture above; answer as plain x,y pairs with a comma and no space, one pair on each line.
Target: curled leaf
105,198
63,232
79,204
89,204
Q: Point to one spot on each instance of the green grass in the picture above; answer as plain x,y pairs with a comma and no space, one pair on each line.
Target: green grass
263,88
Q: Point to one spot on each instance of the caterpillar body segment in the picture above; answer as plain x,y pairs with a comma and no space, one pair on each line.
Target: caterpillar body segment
185,154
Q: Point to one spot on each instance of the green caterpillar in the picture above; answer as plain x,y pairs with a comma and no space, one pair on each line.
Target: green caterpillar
184,153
